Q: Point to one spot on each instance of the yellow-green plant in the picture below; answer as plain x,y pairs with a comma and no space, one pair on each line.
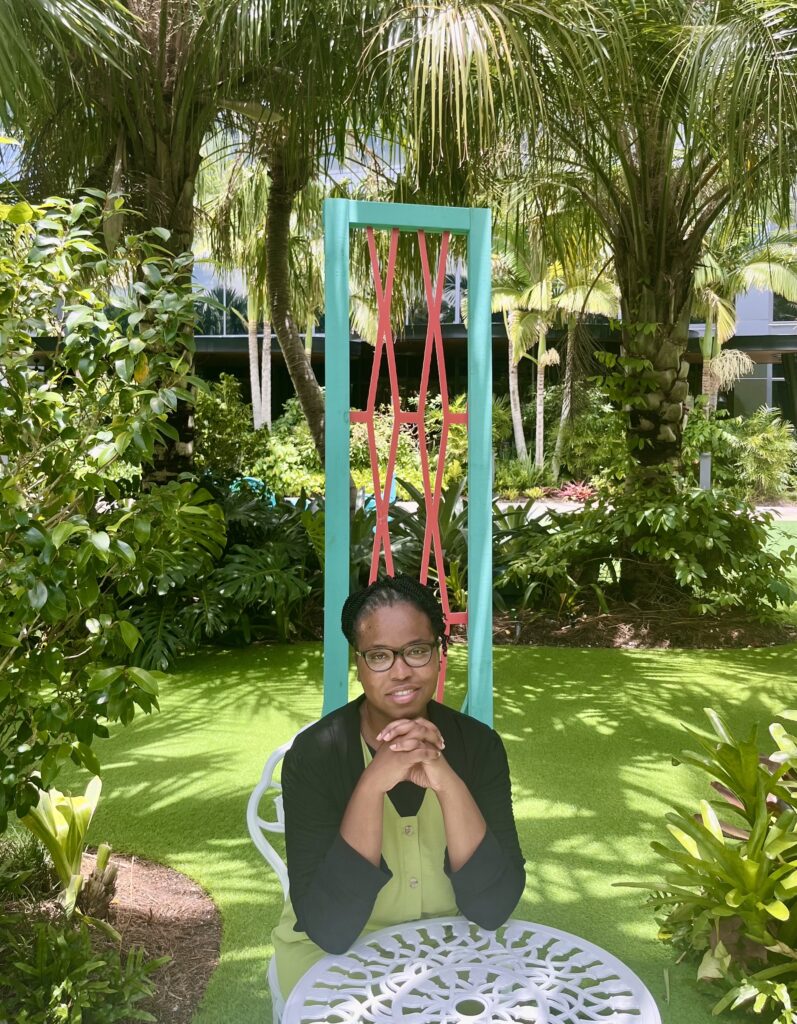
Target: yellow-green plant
729,888
61,823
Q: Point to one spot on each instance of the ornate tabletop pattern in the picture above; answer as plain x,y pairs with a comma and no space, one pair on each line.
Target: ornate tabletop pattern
449,971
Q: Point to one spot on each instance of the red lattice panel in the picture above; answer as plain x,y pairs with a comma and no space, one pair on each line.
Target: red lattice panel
433,488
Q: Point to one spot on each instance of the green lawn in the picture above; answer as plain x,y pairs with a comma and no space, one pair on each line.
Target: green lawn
589,733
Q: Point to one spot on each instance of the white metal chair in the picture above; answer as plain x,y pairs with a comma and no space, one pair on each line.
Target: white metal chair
269,790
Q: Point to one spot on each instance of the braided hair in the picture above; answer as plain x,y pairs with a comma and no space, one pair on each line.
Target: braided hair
390,590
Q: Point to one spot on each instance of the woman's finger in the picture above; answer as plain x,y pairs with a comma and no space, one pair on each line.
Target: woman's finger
404,726
407,743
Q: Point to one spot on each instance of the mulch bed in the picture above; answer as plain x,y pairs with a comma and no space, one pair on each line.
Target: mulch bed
634,628
165,913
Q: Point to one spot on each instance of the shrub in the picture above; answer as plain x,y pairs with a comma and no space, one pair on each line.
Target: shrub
58,970
659,542
26,870
729,892
226,444
755,456
514,478
73,547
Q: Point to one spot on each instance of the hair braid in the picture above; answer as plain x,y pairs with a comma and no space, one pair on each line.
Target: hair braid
387,591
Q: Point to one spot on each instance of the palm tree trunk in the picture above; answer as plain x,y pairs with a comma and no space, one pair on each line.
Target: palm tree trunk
655,312
254,373
539,425
567,397
514,405
265,378
283,191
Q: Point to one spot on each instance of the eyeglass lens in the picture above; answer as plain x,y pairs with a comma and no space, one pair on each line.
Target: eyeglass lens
380,659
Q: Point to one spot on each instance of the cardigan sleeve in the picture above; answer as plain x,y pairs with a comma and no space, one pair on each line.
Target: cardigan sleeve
332,887
489,885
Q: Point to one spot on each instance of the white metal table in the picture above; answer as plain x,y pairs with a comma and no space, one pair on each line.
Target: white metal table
446,970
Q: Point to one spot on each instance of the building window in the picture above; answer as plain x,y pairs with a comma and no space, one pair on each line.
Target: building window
782,309
766,385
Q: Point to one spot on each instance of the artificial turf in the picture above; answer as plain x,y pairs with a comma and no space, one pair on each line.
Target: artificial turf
590,735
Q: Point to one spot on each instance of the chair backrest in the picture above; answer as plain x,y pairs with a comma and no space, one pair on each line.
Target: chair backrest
269,790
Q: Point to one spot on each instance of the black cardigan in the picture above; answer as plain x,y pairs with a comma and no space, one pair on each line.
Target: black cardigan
333,888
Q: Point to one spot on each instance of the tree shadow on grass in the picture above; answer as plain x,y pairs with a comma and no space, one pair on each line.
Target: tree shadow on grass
589,733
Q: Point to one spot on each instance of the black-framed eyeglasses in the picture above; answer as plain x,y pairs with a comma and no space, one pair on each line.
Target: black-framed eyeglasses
380,659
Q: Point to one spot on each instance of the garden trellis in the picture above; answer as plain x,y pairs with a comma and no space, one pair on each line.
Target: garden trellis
341,216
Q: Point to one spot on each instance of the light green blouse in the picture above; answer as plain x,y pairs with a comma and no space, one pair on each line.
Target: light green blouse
413,849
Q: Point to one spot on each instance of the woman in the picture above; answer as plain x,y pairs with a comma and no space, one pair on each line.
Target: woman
396,807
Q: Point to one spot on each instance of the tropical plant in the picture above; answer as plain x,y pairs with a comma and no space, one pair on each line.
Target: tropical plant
755,456
235,207
90,370
662,545
227,443
58,970
409,541
662,131
729,892
60,822
732,264
93,28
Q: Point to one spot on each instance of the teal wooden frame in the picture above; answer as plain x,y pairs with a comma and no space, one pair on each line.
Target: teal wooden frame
340,216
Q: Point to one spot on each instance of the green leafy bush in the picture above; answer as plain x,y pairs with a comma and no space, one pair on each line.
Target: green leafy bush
226,444
729,892
514,478
290,463
26,870
265,583
658,543
756,455
91,370
60,971
594,443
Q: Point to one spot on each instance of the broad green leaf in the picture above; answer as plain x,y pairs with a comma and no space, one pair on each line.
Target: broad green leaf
37,595
20,213
63,532
145,679
100,540
103,677
778,910
130,634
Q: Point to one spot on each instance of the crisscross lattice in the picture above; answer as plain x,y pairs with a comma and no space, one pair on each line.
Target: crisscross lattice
432,483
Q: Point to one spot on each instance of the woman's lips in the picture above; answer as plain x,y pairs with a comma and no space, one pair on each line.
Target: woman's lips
403,696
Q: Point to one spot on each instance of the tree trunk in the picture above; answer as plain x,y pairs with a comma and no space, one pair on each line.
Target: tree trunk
514,405
539,425
656,275
284,188
265,378
254,373
567,397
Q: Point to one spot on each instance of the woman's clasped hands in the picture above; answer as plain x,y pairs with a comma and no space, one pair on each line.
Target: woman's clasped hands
411,750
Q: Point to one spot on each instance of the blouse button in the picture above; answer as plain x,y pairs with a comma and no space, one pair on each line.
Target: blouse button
413,883
408,830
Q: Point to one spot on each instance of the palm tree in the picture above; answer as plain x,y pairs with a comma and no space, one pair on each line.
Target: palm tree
732,264
668,117
95,28
235,208
522,292
138,124
684,119
584,291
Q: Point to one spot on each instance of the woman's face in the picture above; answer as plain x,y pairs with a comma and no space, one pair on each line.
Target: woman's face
401,691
